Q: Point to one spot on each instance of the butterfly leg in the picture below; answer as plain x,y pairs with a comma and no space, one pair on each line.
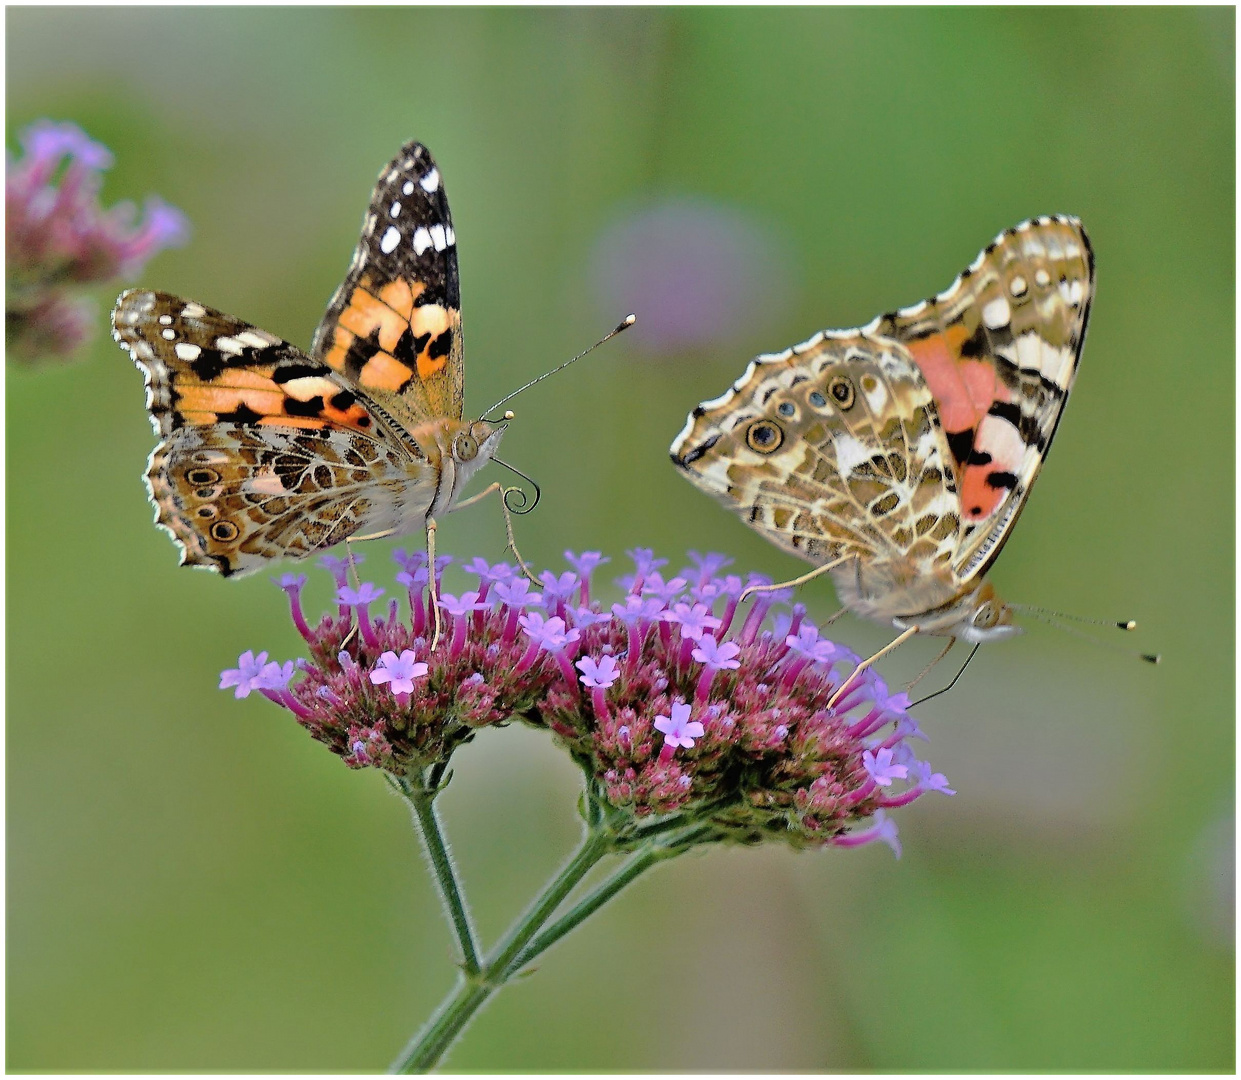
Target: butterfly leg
927,670
503,492
435,598
353,572
796,581
900,639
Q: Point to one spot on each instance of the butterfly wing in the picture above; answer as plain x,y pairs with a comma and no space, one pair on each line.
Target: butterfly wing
265,452
999,350
393,328
833,449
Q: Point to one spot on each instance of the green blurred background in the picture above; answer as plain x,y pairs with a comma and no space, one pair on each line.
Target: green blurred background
194,885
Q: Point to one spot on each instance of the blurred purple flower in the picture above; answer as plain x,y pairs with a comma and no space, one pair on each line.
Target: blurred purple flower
59,238
697,273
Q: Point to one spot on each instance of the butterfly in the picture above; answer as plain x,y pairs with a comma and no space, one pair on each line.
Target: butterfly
267,452
899,455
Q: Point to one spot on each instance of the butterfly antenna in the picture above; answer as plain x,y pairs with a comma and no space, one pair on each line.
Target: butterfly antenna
945,690
624,324
1051,617
1126,624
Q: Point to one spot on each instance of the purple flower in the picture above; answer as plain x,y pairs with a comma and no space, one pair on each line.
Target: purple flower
463,606
246,676
679,729
601,672
58,237
549,634
558,588
584,617
365,594
399,672
706,566
881,768
714,655
339,568
586,563
638,607
930,780
644,560
517,594
485,572
701,273
667,591
275,676
695,621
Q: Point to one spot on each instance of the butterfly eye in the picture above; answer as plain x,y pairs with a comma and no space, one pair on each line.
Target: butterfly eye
842,392
986,616
224,531
764,436
787,409
465,448
202,477
816,399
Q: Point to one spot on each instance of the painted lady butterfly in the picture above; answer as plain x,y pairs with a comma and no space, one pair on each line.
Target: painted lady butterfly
268,452
899,455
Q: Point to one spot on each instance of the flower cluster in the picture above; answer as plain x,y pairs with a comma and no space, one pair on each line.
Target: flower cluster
59,239
674,699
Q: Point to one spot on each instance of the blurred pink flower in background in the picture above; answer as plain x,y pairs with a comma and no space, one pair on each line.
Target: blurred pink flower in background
696,272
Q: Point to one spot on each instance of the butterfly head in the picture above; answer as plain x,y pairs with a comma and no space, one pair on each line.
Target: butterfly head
985,617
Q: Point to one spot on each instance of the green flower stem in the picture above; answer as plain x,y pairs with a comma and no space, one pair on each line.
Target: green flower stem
422,801
474,989
639,862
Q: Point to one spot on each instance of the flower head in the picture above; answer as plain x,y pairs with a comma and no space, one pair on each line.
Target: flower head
59,238
776,753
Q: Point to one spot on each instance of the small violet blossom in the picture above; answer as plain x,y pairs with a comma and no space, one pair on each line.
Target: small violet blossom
399,672
246,676
679,729
603,672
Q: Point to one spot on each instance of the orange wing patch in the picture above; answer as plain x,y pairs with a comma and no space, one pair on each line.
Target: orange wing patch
384,338
255,396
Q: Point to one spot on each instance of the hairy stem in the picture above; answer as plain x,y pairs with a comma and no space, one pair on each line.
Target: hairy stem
421,799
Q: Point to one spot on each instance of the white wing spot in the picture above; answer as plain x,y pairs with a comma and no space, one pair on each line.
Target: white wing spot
186,350
1018,286
390,240
395,211
169,333
407,188
431,181
422,240
850,453
256,339
449,235
438,238
996,314
1042,278
165,320
193,311
228,345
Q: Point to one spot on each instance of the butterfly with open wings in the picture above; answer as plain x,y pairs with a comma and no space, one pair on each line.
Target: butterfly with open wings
268,452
